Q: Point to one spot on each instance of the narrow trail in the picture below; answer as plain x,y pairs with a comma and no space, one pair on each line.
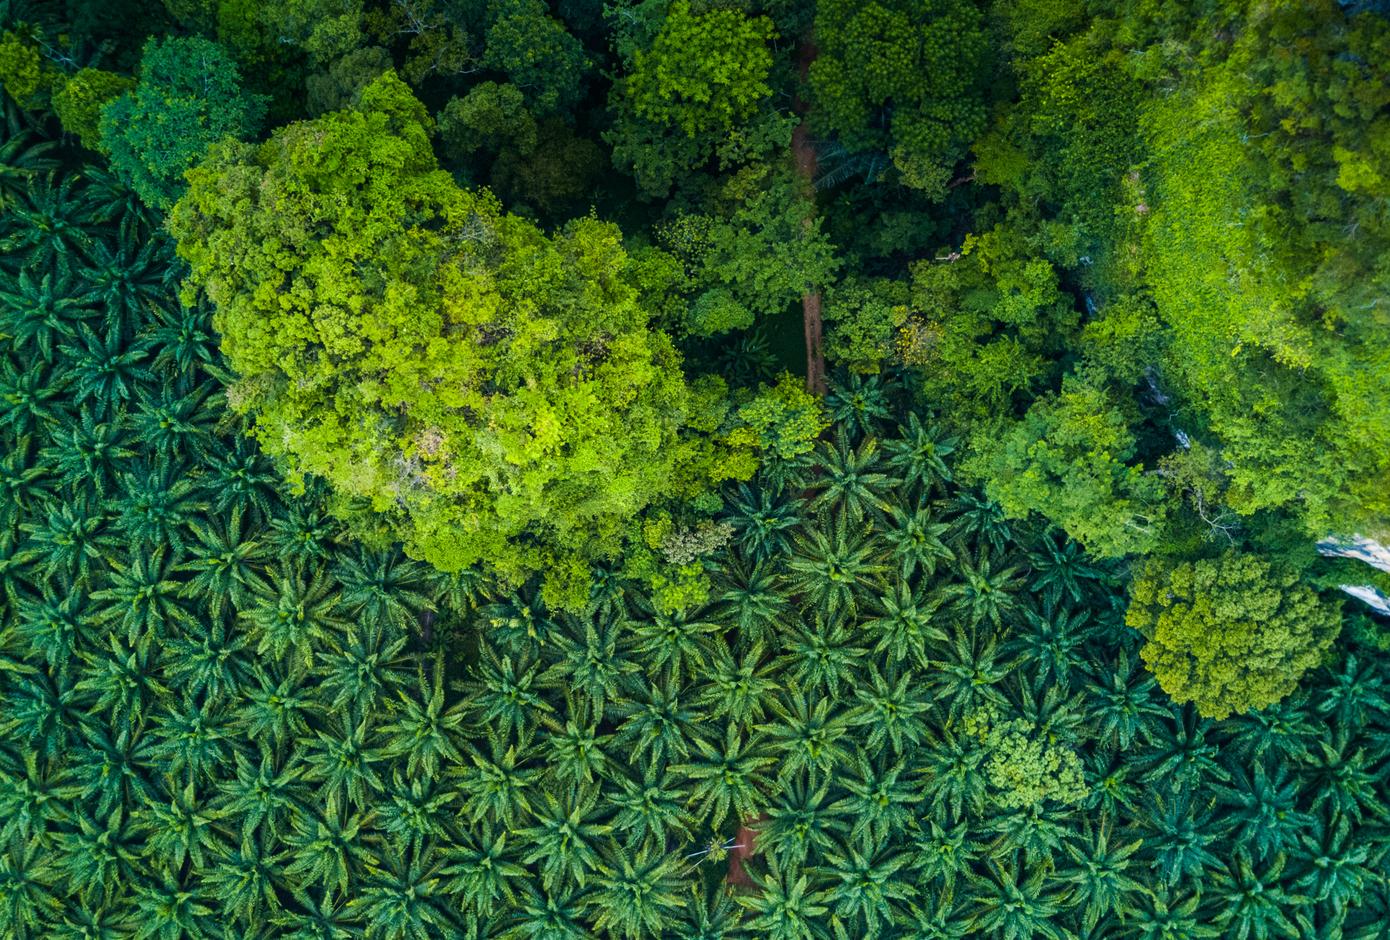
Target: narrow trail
804,156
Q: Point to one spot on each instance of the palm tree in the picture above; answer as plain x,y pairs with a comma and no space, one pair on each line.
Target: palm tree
263,796
1356,693
23,157
1338,773
848,482
122,681
28,878
953,779
1262,810
416,813
860,402
592,658
182,338
236,478
1050,642
1336,866
295,614
425,730
806,736
867,888
123,280
653,723
343,761
986,589
401,900
33,398
100,854
35,799
915,541
50,226
752,597
801,822
106,370
881,798
785,906
893,710
548,914
576,750
651,807
177,421
53,624
181,830
636,894
367,665
192,740
1160,915
496,787
676,644
727,777
157,504
479,871
918,456
823,658
85,454
1183,759
1013,904
226,564
324,849
1100,875
167,909
1283,731
903,627
565,837
980,521
1179,837
969,673
762,517
1062,570
738,688
830,571
279,703
1249,902
41,311
709,914
944,853
1124,702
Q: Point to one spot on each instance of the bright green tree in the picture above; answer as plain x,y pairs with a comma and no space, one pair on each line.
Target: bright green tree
1229,634
1071,459
493,393
699,85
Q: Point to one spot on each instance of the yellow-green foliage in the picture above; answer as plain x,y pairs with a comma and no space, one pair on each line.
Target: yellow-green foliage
1025,764
496,392
25,76
1070,459
79,101
705,72
1229,634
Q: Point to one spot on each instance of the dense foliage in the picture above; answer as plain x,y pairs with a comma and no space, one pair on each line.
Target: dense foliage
411,525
